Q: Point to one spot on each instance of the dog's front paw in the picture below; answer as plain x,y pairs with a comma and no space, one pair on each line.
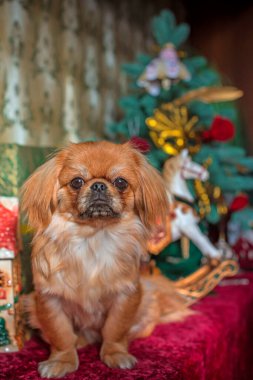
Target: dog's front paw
58,365
121,360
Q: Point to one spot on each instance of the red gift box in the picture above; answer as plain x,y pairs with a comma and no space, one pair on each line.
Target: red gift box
8,227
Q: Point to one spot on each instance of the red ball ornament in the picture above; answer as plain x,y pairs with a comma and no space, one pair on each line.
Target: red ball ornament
239,202
140,143
222,130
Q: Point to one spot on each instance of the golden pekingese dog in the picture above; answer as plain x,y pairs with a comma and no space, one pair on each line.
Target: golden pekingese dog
92,207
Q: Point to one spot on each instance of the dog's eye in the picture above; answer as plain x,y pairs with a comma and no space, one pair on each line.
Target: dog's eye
120,183
77,183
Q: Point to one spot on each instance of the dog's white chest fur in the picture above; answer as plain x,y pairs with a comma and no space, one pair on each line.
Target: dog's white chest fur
88,268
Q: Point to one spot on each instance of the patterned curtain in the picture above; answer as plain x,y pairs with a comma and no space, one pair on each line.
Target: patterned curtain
60,61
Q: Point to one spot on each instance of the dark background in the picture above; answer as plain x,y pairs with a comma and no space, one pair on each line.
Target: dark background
223,32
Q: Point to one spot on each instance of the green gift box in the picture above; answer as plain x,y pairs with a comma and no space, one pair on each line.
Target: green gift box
17,162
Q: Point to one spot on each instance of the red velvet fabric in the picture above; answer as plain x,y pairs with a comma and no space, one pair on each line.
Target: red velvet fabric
214,344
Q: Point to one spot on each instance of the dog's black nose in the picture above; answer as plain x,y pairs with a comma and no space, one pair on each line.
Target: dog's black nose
99,187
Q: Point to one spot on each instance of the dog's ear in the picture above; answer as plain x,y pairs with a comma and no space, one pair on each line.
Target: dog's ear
151,199
39,194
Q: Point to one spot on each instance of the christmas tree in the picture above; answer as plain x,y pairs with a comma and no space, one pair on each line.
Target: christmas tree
177,101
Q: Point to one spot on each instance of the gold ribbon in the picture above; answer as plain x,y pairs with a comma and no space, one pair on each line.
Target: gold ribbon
173,130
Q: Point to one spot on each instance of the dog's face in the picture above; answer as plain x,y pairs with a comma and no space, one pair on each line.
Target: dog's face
96,184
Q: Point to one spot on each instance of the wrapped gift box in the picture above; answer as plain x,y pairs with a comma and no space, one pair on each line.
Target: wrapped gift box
9,243
17,163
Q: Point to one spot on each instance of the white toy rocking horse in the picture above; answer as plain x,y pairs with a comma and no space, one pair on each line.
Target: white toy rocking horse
183,220
182,223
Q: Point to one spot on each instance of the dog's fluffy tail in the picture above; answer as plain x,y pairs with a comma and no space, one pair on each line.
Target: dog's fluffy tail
161,303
